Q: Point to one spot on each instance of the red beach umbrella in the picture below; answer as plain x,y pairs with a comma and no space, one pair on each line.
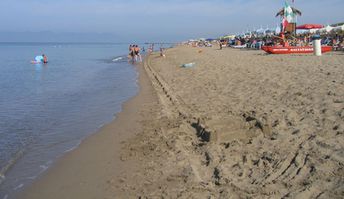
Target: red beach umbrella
309,26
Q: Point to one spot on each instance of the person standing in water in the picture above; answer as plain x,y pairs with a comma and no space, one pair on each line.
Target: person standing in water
131,53
45,59
137,53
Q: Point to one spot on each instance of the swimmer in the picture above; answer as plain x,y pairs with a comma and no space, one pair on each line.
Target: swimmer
45,58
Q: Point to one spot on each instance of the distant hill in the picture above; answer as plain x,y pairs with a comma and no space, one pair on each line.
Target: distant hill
47,36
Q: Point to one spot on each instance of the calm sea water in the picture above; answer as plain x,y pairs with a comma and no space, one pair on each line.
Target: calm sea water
47,109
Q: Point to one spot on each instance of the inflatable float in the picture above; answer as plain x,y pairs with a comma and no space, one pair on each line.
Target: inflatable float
39,60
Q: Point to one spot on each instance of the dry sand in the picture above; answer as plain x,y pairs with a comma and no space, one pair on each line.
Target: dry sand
240,124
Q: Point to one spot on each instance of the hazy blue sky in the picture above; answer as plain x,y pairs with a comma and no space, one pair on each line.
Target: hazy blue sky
148,20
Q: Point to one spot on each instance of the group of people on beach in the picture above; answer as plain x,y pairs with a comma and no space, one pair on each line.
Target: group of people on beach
303,39
134,53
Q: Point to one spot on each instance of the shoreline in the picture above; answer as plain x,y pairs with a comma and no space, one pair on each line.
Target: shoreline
237,124
88,170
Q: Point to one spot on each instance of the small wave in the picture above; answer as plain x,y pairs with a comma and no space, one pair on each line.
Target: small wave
43,167
5,197
2,178
117,59
9,164
72,148
18,187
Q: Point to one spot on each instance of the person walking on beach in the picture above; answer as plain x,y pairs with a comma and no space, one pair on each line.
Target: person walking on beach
162,52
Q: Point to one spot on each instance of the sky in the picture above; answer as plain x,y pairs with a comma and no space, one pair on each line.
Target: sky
149,20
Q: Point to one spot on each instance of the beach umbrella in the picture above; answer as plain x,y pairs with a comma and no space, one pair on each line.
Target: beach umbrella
260,30
309,26
269,31
328,28
338,28
325,29
313,30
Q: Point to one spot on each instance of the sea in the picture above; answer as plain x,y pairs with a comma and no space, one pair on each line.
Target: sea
46,110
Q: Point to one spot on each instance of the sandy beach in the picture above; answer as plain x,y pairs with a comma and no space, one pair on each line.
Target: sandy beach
238,124
241,124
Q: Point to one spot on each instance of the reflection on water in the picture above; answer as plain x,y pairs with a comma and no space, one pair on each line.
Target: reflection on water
40,70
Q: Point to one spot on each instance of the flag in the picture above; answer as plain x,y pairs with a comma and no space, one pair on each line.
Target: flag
284,24
288,13
288,16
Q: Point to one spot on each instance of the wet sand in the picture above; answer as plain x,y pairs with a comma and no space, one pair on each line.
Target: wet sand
238,124
89,171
